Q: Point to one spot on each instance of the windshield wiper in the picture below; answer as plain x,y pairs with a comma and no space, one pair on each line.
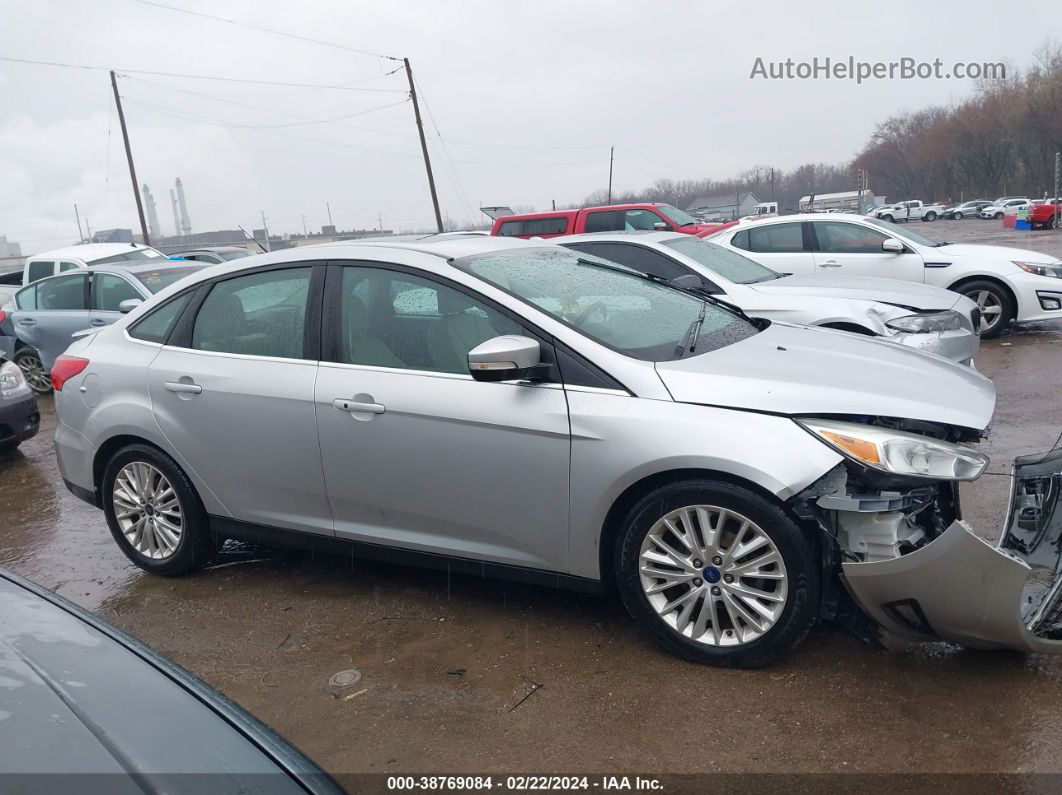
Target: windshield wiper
689,339
943,243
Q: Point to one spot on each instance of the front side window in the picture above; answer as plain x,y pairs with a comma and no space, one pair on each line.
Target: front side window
156,326
609,304
39,269
901,233
261,314
393,319
728,264
68,266
772,239
109,290
62,293
642,220
838,238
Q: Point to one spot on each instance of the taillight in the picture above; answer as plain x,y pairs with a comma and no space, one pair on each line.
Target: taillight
65,368
3,315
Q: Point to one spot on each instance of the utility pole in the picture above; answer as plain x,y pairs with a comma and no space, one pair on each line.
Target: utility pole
77,215
1058,179
304,232
772,184
423,146
129,157
329,208
554,205
265,233
611,152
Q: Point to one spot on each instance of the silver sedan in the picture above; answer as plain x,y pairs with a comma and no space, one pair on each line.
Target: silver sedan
510,408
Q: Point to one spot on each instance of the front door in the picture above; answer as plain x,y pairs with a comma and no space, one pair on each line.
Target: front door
416,453
233,394
106,296
847,249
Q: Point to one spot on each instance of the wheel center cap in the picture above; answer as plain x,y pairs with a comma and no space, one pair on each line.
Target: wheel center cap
150,511
711,574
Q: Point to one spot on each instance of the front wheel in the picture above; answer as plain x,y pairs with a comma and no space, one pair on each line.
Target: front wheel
33,371
888,218
717,574
957,216
154,513
997,216
995,304
1050,224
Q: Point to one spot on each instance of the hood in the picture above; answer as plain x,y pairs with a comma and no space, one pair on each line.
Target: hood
888,291
995,253
803,371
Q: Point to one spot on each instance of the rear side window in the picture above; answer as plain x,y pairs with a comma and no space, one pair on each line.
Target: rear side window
62,293
38,270
261,314
611,221
534,226
108,292
156,326
26,298
771,239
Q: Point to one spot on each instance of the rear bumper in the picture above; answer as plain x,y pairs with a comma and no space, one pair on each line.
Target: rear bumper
19,420
960,588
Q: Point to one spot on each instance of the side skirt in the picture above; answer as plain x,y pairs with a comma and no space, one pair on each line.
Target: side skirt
223,527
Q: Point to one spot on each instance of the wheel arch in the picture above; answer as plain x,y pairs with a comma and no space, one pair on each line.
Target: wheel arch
987,277
621,506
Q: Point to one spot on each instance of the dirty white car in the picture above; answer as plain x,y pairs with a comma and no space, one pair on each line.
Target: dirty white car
502,407
917,315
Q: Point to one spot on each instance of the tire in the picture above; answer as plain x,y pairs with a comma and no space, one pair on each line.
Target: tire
158,548
33,371
997,216
888,218
957,216
725,638
988,295
929,217
1050,223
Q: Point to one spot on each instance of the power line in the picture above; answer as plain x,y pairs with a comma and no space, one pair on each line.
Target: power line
268,30
197,77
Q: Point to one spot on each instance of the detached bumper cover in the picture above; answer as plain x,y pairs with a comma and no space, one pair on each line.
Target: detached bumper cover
960,588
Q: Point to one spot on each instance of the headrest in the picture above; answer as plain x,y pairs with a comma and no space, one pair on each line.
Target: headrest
357,316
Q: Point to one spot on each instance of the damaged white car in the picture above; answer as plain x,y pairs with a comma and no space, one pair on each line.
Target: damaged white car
502,408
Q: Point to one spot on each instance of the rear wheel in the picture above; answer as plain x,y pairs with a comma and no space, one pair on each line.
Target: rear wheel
996,305
1050,223
717,574
154,513
33,371
929,217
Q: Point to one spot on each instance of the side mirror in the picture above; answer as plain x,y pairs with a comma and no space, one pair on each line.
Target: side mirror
506,358
129,304
660,226
892,246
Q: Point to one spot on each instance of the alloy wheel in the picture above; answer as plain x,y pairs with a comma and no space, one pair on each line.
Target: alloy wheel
991,308
713,575
33,371
148,510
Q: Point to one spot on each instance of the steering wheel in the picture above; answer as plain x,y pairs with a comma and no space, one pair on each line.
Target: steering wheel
597,306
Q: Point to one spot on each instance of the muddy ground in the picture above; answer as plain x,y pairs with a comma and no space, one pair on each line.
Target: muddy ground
446,663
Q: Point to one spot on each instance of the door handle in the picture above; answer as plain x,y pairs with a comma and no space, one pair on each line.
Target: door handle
27,321
97,322
182,388
830,263
345,404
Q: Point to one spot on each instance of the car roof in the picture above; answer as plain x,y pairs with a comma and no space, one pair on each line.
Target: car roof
88,251
209,249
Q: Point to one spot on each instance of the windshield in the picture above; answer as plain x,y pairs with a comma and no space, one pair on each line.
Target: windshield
728,264
610,304
132,255
164,277
904,234
678,216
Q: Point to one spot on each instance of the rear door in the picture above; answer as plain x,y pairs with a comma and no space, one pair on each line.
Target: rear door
106,293
232,390
852,249
783,247
59,308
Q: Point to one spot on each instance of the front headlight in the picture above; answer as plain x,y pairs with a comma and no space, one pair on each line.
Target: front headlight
924,324
1054,270
12,384
897,452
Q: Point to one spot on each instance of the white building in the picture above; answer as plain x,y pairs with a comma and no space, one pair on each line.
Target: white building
846,200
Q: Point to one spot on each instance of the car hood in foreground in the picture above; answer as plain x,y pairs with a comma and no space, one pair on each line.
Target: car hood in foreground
991,252
888,291
803,371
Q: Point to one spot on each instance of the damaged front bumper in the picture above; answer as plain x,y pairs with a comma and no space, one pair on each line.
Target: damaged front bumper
959,588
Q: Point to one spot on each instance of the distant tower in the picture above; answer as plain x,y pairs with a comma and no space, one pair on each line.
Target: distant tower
186,223
152,212
176,215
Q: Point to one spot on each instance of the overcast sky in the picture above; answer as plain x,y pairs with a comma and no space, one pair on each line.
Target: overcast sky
528,97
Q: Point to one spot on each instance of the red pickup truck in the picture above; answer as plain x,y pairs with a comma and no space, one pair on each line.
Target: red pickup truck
613,218
1045,215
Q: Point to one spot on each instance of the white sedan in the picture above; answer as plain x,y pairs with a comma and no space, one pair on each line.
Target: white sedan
927,318
1008,284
